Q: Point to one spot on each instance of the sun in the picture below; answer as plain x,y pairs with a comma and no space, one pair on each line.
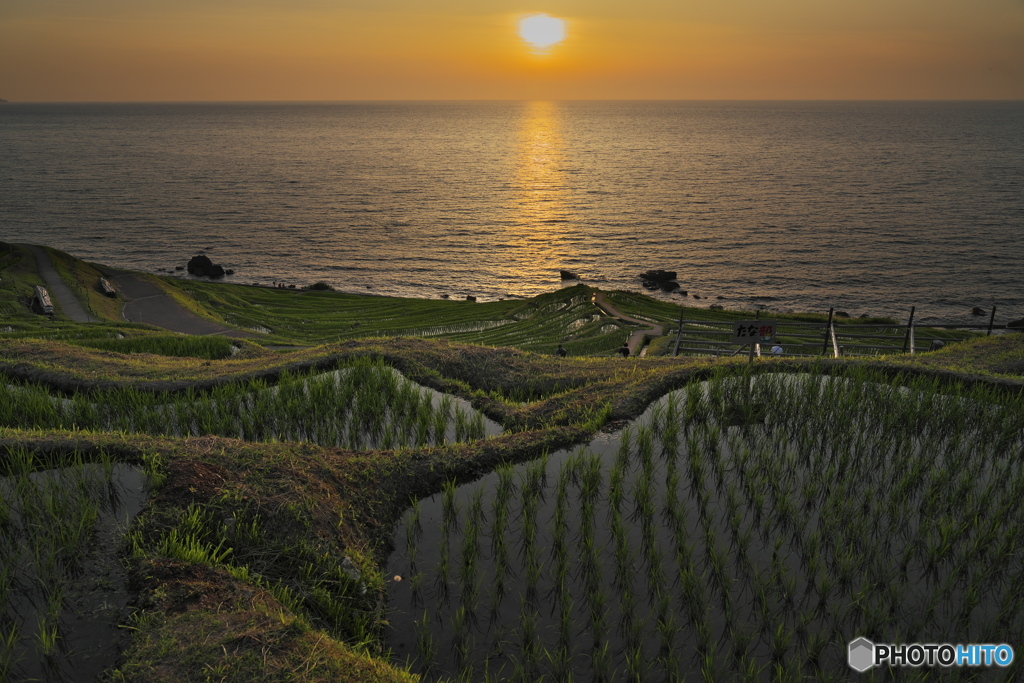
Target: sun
542,30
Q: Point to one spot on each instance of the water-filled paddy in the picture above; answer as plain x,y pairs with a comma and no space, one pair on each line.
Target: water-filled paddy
62,589
733,532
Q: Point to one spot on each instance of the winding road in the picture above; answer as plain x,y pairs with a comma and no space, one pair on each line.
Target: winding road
69,304
144,302
147,303
637,338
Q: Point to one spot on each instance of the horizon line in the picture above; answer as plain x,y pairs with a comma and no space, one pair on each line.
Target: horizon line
516,99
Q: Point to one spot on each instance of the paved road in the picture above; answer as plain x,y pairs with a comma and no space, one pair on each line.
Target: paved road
147,303
637,338
69,304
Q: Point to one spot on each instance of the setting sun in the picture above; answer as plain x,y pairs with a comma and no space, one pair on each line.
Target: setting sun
542,30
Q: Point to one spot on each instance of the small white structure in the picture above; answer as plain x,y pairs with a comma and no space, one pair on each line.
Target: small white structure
41,301
107,288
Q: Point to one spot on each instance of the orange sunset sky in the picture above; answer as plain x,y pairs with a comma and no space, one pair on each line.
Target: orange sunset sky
165,50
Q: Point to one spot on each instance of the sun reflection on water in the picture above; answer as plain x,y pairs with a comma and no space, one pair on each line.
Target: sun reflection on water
540,227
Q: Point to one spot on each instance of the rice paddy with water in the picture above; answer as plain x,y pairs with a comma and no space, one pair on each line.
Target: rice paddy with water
741,529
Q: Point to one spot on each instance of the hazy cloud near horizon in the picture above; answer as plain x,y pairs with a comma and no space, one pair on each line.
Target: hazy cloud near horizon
64,50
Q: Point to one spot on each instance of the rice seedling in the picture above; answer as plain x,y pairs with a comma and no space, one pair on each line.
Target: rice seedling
529,639
46,637
9,638
601,663
442,570
450,509
426,644
635,664
469,565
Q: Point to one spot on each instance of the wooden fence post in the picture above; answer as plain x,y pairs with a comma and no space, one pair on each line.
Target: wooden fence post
991,320
756,348
675,351
910,326
828,329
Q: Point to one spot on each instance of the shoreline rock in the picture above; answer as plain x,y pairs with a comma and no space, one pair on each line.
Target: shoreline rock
202,266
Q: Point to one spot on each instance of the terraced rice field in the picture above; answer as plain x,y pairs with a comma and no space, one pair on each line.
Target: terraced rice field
362,407
739,530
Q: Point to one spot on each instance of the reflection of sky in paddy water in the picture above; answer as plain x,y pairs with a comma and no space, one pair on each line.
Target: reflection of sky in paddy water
52,584
777,533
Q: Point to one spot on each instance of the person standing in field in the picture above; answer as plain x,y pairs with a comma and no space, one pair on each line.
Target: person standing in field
624,349
561,352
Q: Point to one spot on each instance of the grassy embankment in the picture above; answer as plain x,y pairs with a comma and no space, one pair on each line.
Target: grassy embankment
236,559
314,317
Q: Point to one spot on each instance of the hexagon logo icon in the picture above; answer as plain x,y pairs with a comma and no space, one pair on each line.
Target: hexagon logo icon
861,655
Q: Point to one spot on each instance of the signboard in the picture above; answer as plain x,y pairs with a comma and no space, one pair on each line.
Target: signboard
753,332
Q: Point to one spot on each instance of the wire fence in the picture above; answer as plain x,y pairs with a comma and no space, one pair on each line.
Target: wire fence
831,338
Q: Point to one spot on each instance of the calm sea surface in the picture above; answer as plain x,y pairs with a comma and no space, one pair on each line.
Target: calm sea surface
871,207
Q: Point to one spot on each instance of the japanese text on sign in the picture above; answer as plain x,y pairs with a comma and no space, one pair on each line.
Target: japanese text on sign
753,331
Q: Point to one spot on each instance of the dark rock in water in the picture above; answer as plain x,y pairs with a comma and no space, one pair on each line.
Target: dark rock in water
229,271
179,267
720,297
717,307
842,314
658,275
568,275
1017,325
659,279
863,315
444,296
202,266
696,296
291,286
681,292
470,297
977,311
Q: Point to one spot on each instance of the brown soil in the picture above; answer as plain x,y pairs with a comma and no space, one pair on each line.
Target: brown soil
191,481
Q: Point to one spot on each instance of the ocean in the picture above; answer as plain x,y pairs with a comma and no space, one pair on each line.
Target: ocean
868,207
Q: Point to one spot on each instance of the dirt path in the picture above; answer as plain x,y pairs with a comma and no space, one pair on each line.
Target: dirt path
637,338
147,303
69,304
